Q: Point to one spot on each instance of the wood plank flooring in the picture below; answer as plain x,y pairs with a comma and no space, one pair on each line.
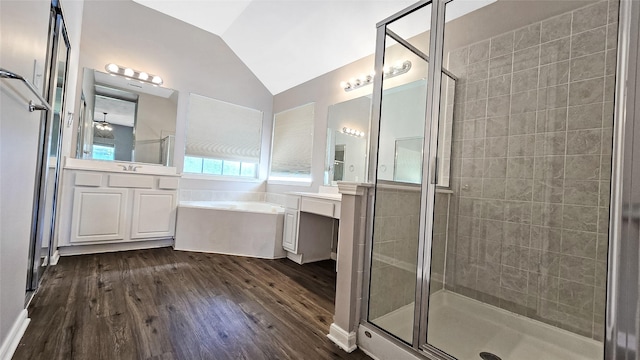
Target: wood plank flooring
165,304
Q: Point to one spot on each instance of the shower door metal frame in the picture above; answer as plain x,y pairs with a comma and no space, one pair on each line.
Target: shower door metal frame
428,185
622,332
58,37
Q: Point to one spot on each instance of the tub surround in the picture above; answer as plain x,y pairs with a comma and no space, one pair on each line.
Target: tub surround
239,228
110,206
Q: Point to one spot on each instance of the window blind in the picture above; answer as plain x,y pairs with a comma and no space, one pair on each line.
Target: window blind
221,130
293,141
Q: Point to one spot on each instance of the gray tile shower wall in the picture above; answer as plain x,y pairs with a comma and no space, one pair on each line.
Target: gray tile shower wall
531,165
395,248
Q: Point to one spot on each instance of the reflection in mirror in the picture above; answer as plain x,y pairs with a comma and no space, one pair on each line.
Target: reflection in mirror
398,138
346,158
400,148
338,163
404,108
408,161
126,120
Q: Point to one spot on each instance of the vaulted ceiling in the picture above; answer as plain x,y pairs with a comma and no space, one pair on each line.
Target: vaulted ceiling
288,42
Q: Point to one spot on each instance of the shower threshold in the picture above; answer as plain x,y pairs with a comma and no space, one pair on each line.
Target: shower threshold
464,328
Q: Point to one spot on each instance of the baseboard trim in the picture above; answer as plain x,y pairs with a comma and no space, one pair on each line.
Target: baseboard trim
345,340
11,342
121,246
54,258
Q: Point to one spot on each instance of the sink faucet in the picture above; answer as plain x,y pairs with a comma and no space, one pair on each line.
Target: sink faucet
123,167
133,168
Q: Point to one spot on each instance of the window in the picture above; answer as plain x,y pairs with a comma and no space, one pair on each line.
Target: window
206,166
292,144
103,152
222,138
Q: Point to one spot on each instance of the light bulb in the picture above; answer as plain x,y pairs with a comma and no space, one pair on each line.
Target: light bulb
344,85
113,68
143,76
156,80
128,72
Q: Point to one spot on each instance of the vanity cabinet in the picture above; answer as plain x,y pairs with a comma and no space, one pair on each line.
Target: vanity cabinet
310,226
153,214
290,233
98,214
115,210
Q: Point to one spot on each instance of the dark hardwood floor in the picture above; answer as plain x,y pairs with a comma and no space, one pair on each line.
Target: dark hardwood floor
165,304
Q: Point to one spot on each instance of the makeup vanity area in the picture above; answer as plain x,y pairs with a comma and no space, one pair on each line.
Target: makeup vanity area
309,220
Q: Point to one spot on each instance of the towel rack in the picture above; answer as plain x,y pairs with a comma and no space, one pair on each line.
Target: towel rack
6,74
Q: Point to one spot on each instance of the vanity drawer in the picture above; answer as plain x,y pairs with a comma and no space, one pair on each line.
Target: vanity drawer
131,181
168,183
86,179
324,208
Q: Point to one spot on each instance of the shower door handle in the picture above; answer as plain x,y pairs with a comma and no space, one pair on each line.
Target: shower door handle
434,171
631,211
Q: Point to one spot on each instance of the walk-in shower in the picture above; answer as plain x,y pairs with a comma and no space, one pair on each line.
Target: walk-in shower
495,242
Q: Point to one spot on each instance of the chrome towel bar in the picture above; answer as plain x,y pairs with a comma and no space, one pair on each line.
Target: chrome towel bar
6,74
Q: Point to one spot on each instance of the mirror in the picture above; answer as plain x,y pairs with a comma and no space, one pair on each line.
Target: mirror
400,151
408,162
126,120
347,141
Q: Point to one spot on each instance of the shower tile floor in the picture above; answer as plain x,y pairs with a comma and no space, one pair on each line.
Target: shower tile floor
464,327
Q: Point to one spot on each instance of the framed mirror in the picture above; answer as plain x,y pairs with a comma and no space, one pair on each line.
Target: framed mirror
126,120
347,141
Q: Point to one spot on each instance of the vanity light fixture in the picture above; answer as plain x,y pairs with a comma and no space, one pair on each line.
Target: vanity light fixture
130,73
353,132
401,67
103,125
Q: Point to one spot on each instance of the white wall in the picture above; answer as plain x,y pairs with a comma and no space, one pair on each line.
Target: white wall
23,40
189,60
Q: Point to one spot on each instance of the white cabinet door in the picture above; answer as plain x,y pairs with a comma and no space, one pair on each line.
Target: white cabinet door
154,214
98,214
290,233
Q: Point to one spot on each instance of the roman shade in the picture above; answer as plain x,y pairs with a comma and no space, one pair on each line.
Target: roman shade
221,130
293,141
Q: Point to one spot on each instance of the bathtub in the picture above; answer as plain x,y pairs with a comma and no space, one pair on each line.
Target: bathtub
240,228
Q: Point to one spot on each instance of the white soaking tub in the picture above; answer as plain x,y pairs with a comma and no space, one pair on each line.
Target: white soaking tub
241,228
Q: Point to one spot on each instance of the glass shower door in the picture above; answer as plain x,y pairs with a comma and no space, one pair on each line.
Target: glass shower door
398,178
42,241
